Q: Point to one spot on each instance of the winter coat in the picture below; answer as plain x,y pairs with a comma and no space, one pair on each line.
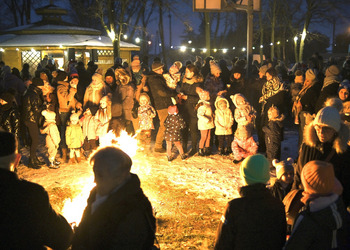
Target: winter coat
256,220
241,149
320,225
93,95
174,124
13,82
205,115
53,135
278,191
65,95
329,90
32,105
213,86
146,113
245,114
308,99
89,125
102,118
124,221
160,93
295,88
127,100
274,131
188,87
30,221
74,136
270,88
9,116
313,149
223,119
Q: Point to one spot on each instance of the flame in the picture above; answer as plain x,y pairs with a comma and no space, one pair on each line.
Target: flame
73,208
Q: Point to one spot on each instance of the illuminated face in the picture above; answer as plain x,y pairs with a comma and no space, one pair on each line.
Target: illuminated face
288,177
272,113
43,76
95,80
222,105
74,81
109,79
74,120
143,100
173,70
204,95
268,76
217,74
103,104
343,94
189,74
240,100
237,75
324,133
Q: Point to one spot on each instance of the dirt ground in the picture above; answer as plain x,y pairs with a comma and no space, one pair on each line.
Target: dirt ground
188,196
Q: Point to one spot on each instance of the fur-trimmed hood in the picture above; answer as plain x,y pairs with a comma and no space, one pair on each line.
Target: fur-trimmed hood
339,143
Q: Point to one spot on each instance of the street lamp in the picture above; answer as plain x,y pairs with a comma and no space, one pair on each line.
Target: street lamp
137,40
183,48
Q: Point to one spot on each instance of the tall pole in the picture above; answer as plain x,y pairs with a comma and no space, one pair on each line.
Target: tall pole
170,33
249,35
207,32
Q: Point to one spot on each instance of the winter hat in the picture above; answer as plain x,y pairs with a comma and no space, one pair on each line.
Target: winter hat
310,75
74,116
234,98
263,69
178,65
157,65
36,81
298,72
328,116
283,166
135,64
237,69
318,177
203,94
345,84
98,77
110,72
7,97
334,102
255,169
61,76
8,143
146,96
50,116
214,67
173,110
332,70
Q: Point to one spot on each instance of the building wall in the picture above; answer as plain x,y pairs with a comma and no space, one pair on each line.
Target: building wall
12,58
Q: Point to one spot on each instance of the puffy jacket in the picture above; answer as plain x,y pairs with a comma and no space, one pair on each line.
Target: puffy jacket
10,119
65,95
223,119
32,105
205,115
160,93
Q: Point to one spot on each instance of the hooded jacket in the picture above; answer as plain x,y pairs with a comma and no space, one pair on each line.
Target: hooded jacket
223,118
53,135
205,115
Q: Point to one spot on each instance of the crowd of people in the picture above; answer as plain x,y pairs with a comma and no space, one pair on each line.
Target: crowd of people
218,110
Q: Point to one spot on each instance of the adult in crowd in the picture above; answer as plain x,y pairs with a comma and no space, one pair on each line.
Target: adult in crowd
27,219
110,80
118,214
11,81
33,104
189,99
322,221
326,139
213,83
256,219
330,86
304,105
9,113
25,74
160,95
344,91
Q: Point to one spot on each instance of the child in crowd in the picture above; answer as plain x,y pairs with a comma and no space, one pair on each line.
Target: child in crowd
74,138
103,116
146,113
284,178
205,121
243,144
223,125
174,75
244,113
52,137
174,124
273,133
89,126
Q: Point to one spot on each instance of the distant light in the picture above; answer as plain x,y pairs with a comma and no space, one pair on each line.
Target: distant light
149,42
253,47
204,50
183,48
171,47
65,53
224,51
125,36
295,38
287,41
47,47
17,49
99,38
193,49
32,50
190,41
137,40
244,49
160,44
215,50
303,35
233,48
278,43
2,50
261,46
111,35
271,44
87,54
61,46
335,44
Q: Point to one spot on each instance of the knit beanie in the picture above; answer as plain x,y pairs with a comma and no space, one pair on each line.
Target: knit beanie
50,116
255,169
7,97
263,69
214,67
98,77
110,72
237,69
36,81
328,116
283,166
332,70
310,75
234,98
61,76
318,177
298,72
157,65
8,143
173,110
345,84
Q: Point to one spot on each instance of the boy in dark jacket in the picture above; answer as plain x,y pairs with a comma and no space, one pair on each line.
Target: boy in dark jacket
273,134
